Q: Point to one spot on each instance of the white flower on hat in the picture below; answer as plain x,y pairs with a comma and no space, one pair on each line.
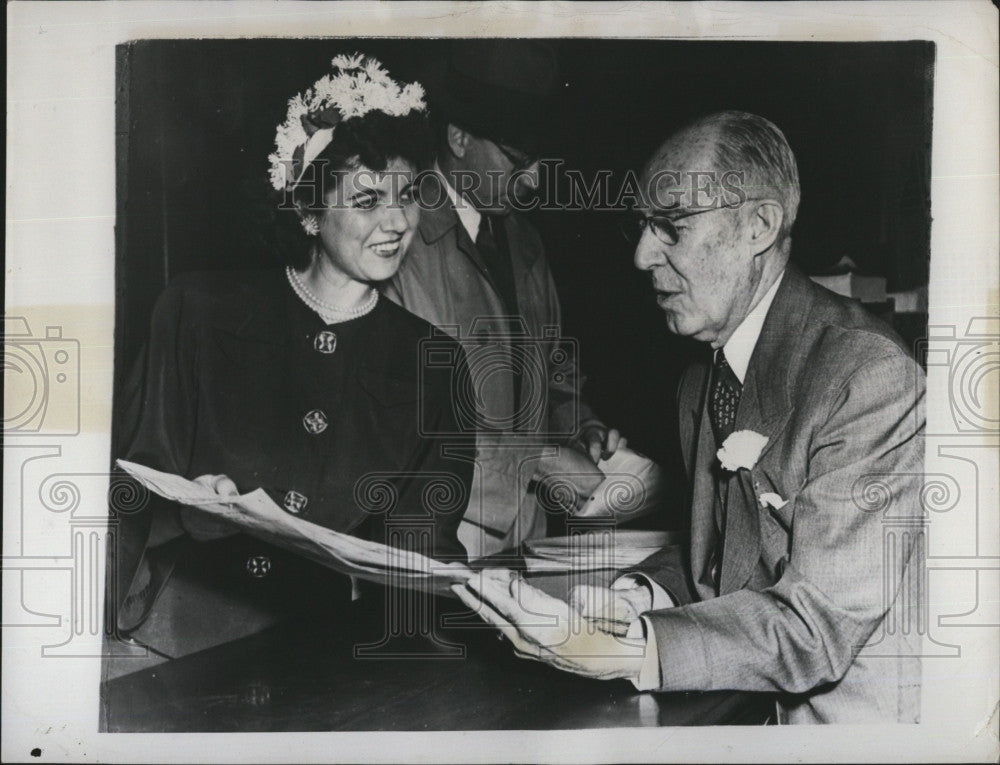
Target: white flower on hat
741,450
359,85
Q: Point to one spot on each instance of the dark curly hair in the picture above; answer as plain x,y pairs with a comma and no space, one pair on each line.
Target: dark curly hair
371,141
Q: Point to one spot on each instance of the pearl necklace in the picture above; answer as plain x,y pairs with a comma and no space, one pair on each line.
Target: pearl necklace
325,309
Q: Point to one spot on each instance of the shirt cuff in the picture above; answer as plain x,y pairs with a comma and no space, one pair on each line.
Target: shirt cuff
648,678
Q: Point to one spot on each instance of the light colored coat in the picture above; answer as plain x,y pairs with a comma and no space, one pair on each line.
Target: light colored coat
818,600
445,281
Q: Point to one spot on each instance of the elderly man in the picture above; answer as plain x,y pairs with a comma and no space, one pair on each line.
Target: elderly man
477,269
790,582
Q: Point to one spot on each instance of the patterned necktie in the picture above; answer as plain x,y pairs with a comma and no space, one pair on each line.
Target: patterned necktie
723,403
724,399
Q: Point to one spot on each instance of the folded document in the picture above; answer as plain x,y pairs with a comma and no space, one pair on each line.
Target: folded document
257,514
627,491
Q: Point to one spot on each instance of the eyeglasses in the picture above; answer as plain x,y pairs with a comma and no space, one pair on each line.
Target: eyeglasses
518,159
663,227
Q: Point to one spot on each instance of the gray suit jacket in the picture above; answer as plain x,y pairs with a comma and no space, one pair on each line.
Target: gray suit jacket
818,600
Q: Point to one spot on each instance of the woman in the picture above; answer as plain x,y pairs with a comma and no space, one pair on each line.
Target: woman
301,381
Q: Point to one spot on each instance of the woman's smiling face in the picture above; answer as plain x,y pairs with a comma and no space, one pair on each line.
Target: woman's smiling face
369,220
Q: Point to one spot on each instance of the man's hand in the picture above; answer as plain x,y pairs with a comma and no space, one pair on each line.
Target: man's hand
599,443
546,629
201,525
613,610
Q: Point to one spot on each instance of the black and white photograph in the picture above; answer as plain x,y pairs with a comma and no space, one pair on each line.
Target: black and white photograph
426,376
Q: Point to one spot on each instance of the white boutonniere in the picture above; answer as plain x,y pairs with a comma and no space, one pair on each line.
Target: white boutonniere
770,499
741,450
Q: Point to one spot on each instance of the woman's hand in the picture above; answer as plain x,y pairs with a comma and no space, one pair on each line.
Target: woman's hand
200,524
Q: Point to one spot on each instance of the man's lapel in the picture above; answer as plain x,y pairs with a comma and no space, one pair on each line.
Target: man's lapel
438,221
765,408
699,458
523,251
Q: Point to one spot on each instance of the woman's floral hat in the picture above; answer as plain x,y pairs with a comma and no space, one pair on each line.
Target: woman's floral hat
359,84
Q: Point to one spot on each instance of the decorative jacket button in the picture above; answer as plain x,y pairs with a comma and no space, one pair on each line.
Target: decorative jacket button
295,503
258,566
315,421
325,342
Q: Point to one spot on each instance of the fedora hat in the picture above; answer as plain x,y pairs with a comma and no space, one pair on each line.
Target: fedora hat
498,89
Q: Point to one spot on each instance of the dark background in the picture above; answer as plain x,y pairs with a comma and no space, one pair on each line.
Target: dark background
196,122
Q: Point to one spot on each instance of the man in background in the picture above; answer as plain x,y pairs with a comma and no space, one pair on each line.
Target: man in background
477,269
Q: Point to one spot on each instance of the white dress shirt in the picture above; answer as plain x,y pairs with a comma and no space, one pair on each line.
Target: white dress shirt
469,216
738,350
739,347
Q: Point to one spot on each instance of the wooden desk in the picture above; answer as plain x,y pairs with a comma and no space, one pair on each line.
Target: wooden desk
305,676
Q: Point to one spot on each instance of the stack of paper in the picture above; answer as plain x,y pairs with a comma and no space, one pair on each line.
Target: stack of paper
611,549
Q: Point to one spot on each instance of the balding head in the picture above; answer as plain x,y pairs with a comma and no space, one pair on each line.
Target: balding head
720,198
734,145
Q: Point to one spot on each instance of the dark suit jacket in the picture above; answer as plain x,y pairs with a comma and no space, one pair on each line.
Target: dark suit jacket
446,281
233,367
817,598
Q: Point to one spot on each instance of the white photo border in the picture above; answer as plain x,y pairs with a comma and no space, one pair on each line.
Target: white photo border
61,85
